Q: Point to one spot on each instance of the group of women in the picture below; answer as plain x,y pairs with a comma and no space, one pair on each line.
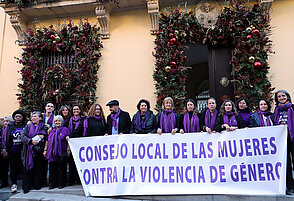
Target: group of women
38,142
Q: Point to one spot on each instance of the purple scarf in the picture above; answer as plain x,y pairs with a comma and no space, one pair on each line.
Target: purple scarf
261,120
290,121
54,145
50,120
140,121
76,120
114,118
193,125
210,120
30,153
232,121
86,125
245,116
4,135
167,120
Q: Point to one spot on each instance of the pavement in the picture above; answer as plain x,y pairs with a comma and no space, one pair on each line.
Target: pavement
76,193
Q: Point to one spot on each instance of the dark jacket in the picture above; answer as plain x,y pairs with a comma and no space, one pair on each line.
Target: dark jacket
95,128
28,141
151,125
202,120
220,121
124,123
254,119
176,126
7,131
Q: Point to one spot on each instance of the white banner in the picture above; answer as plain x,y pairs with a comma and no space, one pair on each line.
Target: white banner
246,161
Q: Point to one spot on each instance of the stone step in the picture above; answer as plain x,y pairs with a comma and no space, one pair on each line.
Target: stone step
76,193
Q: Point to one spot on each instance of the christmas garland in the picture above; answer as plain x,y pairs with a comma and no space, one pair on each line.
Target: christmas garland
78,83
244,29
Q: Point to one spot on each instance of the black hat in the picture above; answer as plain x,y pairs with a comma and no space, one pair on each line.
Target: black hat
112,102
23,114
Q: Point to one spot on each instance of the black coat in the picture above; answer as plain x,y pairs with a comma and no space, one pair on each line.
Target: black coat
151,125
254,120
220,121
124,123
95,128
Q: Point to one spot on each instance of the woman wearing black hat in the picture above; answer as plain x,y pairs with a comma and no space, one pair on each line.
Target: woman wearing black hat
144,121
13,145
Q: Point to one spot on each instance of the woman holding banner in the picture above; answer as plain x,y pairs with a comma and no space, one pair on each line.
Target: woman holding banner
263,116
208,116
168,121
56,153
284,114
94,124
144,121
189,121
34,137
228,118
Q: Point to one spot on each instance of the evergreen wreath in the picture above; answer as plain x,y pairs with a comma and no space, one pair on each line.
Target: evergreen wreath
243,29
78,83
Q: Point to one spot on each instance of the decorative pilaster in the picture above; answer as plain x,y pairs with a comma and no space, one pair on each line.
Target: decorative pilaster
153,10
17,23
102,12
266,4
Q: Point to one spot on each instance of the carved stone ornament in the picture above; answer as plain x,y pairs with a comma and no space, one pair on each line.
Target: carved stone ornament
266,4
153,9
207,12
102,12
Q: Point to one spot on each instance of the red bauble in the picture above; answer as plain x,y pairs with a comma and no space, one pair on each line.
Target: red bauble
171,35
257,64
249,37
173,40
255,31
52,37
173,64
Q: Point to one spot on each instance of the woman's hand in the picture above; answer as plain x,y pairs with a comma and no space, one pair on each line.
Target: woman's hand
4,152
208,129
174,131
34,142
45,153
68,153
182,131
159,131
67,138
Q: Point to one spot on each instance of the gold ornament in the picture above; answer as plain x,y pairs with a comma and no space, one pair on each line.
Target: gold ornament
251,59
167,69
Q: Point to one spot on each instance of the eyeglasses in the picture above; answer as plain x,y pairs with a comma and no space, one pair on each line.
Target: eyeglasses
97,109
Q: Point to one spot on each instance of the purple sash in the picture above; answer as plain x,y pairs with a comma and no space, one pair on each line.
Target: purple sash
114,118
167,120
193,125
54,143
210,120
290,121
140,121
50,120
30,153
232,121
76,120
261,120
